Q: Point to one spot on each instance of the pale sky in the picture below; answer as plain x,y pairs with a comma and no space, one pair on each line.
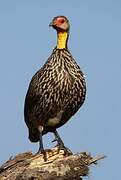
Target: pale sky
26,41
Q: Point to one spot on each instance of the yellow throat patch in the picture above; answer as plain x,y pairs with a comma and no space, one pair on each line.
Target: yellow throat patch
61,40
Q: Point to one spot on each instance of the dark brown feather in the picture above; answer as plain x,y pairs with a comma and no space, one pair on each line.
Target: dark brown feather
58,89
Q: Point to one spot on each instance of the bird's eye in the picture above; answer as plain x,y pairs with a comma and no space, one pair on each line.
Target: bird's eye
59,21
62,21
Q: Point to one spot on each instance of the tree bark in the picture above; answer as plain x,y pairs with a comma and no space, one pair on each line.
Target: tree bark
27,166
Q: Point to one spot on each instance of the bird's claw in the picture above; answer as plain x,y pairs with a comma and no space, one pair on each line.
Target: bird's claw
66,150
54,140
44,154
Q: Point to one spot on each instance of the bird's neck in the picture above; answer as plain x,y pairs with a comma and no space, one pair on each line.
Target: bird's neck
62,39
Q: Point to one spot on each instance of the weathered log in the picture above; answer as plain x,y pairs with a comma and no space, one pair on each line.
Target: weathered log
27,166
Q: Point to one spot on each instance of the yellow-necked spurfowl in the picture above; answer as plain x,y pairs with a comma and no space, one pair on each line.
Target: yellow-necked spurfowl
56,91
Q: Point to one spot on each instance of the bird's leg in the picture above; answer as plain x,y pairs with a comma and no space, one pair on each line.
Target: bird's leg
41,147
61,144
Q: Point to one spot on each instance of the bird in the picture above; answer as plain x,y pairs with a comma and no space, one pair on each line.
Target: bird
56,91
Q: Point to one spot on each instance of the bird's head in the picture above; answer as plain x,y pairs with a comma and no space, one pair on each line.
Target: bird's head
60,23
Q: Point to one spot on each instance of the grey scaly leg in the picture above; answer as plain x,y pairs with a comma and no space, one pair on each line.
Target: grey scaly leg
61,144
41,147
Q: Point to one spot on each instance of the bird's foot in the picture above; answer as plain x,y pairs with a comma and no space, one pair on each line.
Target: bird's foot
66,150
61,146
42,151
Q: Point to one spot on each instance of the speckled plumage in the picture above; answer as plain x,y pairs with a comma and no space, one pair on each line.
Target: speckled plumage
55,94
58,86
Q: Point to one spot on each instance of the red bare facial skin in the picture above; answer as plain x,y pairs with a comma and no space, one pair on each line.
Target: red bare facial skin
60,23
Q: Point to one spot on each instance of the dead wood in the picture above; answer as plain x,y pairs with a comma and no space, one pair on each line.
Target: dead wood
27,166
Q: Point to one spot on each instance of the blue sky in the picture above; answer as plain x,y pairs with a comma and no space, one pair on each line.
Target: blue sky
26,41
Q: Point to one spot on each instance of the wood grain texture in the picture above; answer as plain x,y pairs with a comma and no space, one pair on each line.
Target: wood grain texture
27,166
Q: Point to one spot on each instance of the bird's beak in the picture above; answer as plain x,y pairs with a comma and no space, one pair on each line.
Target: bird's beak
51,24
